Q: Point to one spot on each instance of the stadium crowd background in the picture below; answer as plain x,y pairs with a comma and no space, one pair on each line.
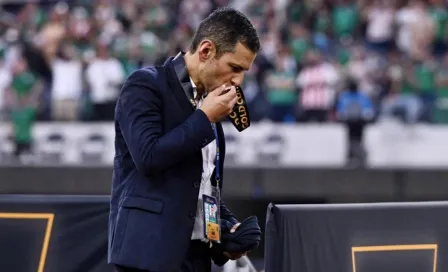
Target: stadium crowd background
320,60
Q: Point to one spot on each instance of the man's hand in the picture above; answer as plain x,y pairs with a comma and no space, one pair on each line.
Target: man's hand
218,104
235,227
235,255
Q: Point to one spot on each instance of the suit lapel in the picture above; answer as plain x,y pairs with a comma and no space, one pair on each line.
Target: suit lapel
182,84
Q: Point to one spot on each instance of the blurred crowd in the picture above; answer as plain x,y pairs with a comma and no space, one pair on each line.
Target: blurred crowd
321,60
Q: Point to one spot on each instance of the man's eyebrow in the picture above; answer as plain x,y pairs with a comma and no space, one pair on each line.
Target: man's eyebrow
238,66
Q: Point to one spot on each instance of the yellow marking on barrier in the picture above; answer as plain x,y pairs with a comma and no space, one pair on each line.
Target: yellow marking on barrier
50,219
395,248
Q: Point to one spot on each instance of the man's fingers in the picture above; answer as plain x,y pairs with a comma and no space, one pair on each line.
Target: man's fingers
224,90
231,256
231,103
235,256
218,91
235,227
228,96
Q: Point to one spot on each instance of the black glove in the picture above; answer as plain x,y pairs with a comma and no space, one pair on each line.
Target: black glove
247,236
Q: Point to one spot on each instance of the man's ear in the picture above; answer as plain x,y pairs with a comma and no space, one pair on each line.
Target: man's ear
206,50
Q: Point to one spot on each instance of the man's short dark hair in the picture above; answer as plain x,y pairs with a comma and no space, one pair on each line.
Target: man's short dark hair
226,27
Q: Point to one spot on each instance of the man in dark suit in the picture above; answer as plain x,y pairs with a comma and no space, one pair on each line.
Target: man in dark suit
170,150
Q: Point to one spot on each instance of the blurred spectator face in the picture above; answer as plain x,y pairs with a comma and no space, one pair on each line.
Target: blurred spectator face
445,60
80,26
384,4
20,66
298,31
394,57
67,52
58,12
134,50
27,12
313,58
358,54
417,4
222,2
152,3
269,44
436,2
380,3
342,2
102,51
228,69
280,63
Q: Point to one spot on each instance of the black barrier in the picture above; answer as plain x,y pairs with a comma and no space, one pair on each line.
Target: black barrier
387,237
60,234
43,233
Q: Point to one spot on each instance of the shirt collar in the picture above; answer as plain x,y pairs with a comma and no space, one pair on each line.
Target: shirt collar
195,92
192,84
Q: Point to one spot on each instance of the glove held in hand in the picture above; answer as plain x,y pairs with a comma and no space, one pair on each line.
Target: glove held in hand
246,237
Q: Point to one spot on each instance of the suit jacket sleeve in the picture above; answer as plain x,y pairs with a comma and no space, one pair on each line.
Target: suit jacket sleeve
139,115
226,214
217,254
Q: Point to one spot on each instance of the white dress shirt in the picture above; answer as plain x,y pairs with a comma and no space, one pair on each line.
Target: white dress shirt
208,165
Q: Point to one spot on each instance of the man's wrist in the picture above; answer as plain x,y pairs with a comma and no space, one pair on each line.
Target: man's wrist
207,115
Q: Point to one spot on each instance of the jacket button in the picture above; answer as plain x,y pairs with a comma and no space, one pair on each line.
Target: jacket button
192,216
197,185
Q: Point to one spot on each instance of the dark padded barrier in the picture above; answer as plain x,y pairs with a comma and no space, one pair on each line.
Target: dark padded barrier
68,233
335,185
386,237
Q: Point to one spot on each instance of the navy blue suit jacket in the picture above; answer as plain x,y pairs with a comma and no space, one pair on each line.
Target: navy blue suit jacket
158,169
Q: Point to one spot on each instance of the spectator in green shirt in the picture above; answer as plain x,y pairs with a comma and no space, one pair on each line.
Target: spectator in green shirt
25,86
296,11
280,91
299,42
322,29
439,14
421,77
345,19
441,108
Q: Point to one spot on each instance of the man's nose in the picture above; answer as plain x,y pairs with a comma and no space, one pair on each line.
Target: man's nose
237,80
